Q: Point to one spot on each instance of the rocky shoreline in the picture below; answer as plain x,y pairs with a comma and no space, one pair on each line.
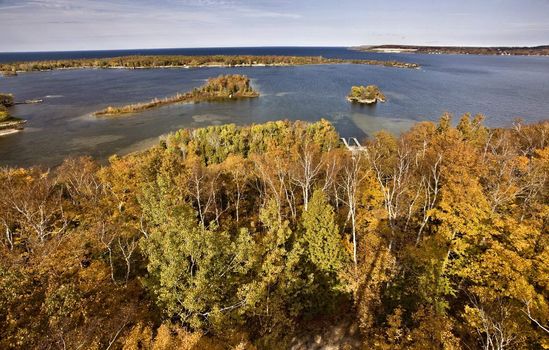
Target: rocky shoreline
366,101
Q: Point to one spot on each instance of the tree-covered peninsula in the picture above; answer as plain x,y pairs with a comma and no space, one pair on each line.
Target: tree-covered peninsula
366,94
136,62
222,88
276,236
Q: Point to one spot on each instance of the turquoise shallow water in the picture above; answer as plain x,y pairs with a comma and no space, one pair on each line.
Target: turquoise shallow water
503,88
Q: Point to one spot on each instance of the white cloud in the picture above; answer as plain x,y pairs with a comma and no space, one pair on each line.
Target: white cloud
268,14
110,24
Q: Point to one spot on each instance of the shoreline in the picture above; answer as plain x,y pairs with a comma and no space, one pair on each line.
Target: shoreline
186,62
11,127
364,101
168,67
382,64
9,132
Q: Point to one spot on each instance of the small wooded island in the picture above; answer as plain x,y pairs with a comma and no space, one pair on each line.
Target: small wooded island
366,94
8,124
222,88
143,62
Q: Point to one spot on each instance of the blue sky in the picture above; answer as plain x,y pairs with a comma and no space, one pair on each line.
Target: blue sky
47,25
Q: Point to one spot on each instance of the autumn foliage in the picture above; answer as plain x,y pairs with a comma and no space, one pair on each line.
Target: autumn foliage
244,237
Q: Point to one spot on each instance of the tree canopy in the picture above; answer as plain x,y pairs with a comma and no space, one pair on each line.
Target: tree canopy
265,236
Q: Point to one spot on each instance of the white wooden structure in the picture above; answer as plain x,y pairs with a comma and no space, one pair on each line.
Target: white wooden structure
353,145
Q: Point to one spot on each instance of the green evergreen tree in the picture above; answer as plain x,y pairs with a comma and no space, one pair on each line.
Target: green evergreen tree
323,241
278,290
194,272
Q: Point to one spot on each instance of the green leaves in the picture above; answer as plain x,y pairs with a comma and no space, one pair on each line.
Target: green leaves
194,271
322,238
179,261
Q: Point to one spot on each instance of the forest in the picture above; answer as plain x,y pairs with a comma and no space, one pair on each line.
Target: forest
255,237
159,61
221,88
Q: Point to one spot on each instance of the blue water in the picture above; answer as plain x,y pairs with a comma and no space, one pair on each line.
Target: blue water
501,87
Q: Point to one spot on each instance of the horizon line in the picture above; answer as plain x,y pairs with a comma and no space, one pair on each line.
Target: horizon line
275,46
190,48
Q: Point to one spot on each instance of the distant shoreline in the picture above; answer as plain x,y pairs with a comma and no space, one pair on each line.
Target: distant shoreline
457,50
150,62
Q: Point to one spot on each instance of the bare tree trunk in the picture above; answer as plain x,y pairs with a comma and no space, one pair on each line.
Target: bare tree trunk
107,243
351,182
237,202
127,250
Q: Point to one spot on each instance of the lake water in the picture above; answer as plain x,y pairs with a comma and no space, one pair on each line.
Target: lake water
501,87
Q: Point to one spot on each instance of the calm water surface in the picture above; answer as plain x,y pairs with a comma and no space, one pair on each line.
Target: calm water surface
500,87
